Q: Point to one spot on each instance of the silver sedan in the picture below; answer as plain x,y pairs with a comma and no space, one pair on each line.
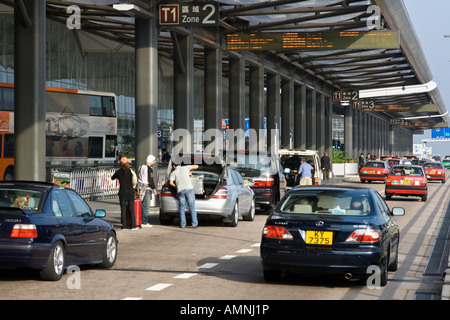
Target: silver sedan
222,194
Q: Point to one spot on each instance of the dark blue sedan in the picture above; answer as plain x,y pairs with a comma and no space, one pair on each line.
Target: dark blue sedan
331,230
50,228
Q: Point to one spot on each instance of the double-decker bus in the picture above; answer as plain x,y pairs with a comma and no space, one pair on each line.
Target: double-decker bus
81,126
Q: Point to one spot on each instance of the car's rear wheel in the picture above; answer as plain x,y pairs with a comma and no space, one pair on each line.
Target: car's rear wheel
251,214
234,216
54,267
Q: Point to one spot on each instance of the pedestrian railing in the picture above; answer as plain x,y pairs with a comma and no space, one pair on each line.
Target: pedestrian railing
94,182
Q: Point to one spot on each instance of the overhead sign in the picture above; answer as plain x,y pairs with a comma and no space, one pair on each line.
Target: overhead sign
404,108
349,95
364,104
189,14
443,133
262,41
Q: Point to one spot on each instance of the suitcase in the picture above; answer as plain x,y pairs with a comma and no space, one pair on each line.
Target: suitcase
137,213
197,183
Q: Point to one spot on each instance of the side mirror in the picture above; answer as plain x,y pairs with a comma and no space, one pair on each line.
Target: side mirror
398,212
100,213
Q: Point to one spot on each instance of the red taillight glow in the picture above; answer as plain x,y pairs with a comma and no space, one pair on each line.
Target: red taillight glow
364,236
277,233
24,231
263,182
222,193
165,192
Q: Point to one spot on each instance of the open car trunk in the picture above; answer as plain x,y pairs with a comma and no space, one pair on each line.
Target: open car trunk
208,178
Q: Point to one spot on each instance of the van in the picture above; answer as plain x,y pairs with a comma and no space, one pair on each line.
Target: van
290,159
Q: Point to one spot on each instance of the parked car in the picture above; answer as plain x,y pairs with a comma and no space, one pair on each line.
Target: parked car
290,160
406,180
265,174
224,194
374,171
446,163
331,230
49,228
434,171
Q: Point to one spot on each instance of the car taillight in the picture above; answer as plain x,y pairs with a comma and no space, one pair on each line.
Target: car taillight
165,192
263,182
388,181
364,236
222,193
275,232
24,231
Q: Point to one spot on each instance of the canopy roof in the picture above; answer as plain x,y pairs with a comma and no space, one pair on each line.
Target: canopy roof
105,28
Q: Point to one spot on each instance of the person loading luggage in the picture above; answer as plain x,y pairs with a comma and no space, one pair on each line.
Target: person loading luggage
180,178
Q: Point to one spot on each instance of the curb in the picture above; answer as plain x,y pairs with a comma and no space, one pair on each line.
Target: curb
445,295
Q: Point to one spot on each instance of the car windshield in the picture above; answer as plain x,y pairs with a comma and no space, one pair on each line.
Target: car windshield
431,165
406,171
333,202
20,198
250,162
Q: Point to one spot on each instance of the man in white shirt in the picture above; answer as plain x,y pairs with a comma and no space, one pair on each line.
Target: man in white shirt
180,178
146,182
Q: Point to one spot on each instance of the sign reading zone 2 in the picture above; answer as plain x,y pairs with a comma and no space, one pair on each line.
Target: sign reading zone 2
189,14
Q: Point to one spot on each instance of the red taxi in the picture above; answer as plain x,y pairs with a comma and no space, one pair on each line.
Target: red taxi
374,171
406,180
434,171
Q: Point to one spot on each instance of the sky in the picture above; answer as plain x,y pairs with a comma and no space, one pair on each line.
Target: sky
431,23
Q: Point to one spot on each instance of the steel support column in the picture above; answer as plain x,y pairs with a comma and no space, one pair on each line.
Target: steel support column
300,117
311,107
146,119
213,88
348,131
256,101
237,93
184,89
273,112
29,90
287,114
320,124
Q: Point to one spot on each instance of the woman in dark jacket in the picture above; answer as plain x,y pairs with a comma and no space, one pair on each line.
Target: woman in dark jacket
126,192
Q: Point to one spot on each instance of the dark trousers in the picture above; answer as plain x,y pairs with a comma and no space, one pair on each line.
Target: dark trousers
124,205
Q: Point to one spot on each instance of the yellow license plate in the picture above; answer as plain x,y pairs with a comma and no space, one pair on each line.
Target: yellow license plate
407,182
371,171
319,237
432,172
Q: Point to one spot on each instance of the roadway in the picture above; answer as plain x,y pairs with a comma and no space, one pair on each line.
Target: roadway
215,262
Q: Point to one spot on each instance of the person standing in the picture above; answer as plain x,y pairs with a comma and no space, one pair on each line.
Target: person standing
126,192
361,161
180,178
326,166
305,172
146,185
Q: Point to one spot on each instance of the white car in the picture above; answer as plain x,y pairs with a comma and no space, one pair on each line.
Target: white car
290,159
224,194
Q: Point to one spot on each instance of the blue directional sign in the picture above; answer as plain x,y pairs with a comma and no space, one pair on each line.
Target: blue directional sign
443,133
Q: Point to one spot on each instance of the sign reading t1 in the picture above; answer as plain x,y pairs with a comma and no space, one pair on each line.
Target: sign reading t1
189,14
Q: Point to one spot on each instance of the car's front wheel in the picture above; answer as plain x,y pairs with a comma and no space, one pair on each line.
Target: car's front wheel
110,253
54,267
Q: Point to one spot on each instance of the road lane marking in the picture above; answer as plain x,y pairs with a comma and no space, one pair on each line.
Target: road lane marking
227,257
244,250
256,245
208,265
185,275
158,287
132,298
